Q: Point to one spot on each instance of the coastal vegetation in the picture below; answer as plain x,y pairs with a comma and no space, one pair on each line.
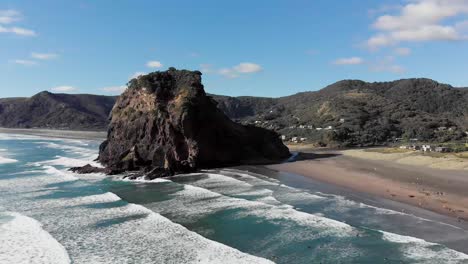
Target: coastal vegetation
348,113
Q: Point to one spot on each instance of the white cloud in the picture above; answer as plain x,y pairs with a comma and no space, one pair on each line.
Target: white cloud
114,89
18,31
462,26
44,56
25,62
232,72
9,16
402,51
238,70
206,68
137,74
247,67
387,64
349,61
229,73
64,88
154,64
418,21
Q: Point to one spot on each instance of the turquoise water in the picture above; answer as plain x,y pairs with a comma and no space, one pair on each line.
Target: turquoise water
49,215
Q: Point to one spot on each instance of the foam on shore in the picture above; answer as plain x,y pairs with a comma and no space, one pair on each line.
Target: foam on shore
101,228
96,226
421,250
22,240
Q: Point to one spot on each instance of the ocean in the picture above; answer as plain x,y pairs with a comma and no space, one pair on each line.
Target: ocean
50,215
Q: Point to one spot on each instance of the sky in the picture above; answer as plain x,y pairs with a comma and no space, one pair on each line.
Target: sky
264,48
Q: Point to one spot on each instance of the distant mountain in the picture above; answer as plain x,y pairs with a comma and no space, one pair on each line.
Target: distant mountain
348,112
57,111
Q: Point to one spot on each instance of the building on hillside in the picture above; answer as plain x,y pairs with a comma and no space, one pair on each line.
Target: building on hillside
427,148
303,139
283,137
295,140
442,149
318,128
329,128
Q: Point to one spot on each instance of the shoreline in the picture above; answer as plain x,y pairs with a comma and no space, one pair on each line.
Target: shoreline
436,190
55,133
436,227
445,235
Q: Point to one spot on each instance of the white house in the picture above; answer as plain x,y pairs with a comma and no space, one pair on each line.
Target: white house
426,148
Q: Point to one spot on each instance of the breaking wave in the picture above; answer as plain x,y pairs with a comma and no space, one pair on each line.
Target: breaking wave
22,240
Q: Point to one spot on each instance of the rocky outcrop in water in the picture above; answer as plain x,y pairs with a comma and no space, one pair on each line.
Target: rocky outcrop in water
164,123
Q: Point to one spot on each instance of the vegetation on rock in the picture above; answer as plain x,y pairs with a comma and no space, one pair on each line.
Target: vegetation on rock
164,123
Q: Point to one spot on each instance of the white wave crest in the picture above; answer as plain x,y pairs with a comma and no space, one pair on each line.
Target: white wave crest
69,162
195,201
419,249
4,160
82,151
22,240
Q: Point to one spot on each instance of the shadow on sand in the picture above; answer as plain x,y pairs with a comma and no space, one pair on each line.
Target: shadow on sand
298,156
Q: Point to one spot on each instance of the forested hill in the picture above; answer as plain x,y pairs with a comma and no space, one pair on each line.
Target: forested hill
350,112
361,113
57,111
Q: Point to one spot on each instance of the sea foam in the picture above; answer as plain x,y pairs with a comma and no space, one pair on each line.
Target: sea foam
4,160
69,162
22,240
195,201
421,250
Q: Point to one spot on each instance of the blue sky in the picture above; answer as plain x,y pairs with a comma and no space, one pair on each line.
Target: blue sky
243,47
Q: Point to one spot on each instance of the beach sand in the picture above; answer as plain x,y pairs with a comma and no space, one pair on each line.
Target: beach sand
445,161
438,190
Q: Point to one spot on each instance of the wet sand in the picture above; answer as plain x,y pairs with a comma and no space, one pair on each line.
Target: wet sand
93,135
414,221
441,191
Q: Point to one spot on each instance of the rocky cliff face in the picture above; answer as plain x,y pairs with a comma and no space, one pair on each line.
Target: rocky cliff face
165,123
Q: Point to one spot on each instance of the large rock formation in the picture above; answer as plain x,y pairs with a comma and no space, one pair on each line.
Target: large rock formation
164,123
